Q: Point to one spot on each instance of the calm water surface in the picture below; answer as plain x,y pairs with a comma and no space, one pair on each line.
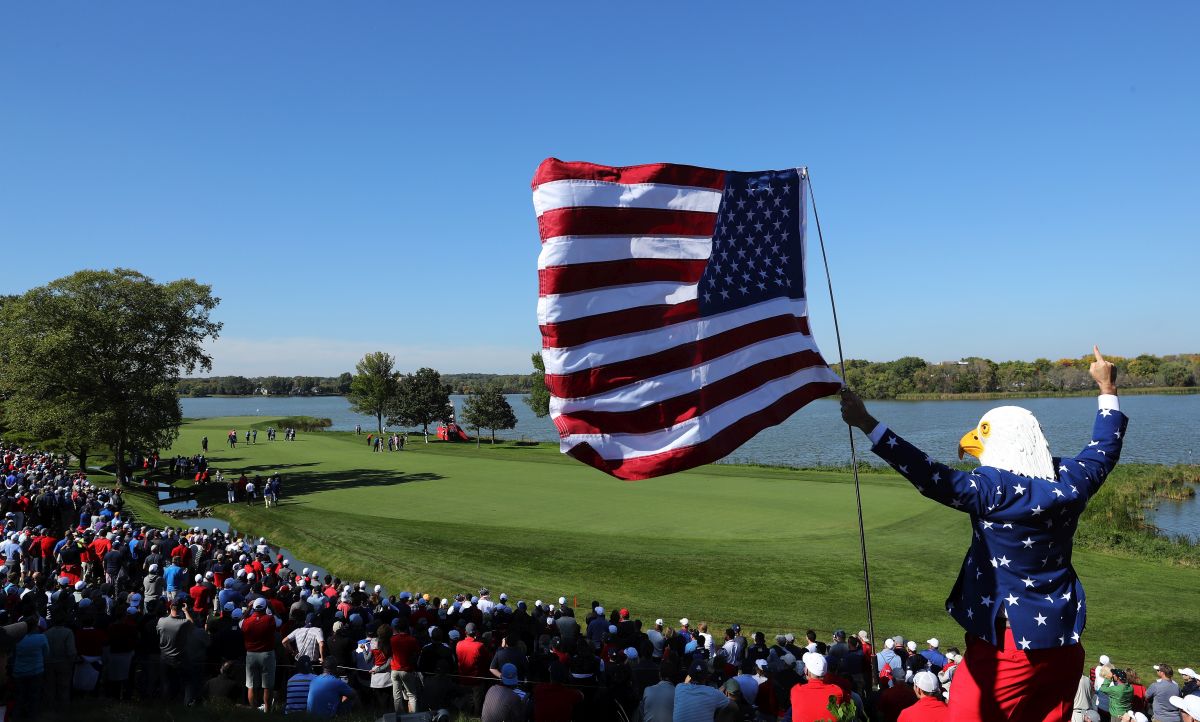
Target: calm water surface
1162,430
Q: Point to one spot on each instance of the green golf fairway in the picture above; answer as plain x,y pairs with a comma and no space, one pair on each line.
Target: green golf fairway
776,550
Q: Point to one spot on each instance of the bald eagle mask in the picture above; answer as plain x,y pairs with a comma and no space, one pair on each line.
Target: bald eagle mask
1009,438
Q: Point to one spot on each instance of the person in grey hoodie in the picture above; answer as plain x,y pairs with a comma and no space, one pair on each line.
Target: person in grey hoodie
153,586
1159,694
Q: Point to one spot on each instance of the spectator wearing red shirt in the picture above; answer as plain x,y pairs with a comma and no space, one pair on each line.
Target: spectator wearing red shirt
181,551
929,706
406,683
259,634
810,702
202,596
473,662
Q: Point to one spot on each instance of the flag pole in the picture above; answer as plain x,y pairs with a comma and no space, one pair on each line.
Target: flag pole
862,535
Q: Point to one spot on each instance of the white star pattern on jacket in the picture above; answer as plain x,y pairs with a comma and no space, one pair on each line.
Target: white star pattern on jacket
1046,610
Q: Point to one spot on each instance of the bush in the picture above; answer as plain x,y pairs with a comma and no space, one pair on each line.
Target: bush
299,423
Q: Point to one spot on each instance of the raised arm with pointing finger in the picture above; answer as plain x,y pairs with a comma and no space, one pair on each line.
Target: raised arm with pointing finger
1017,594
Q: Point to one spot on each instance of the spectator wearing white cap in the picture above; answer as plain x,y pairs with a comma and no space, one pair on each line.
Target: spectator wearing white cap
929,706
937,660
259,634
811,701
1189,707
597,627
1159,694
889,658
1191,682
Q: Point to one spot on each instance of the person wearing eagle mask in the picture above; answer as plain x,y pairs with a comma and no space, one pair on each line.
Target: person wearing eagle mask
1017,595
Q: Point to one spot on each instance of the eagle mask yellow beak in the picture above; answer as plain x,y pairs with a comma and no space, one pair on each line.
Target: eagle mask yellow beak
971,443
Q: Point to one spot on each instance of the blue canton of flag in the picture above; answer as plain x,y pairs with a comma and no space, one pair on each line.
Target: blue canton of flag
758,249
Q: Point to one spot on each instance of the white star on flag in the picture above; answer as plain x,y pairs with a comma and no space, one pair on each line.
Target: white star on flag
1041,620
1024,643
1011,599
1019,489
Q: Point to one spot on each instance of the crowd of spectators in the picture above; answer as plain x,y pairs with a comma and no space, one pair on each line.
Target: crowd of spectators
96,605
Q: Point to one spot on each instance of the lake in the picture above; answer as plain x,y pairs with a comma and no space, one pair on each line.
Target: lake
1162,430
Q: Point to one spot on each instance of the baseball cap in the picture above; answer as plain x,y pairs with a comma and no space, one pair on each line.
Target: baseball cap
888,643
260,603
1188,672
631,653
683,622
624,613
790,637
932,642
732,686
562,600
698,671
658,622
1189,704
1104,659
926,682
815,664
508,674
912,646
760,663
600,611
454,635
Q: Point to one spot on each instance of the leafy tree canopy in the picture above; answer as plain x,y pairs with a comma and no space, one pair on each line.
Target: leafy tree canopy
488,409
94,357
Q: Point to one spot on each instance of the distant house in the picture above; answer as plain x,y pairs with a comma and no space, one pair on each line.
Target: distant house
262,391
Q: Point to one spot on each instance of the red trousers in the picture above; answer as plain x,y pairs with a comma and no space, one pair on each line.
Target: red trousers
1004,684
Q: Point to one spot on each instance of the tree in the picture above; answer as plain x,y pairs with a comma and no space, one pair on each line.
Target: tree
422,400
343,382
539,396
375,388
96,356
488,409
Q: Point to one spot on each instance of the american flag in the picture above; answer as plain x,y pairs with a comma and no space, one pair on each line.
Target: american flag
672,310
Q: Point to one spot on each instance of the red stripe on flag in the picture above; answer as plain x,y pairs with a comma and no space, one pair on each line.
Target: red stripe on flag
716,447
669,412
553,169
586,276
693,353
616,323
600,221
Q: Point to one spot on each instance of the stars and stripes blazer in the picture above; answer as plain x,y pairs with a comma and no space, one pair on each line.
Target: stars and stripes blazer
1019,563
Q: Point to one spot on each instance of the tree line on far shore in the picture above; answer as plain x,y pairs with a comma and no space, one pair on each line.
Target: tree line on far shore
333,385
912,375
872,379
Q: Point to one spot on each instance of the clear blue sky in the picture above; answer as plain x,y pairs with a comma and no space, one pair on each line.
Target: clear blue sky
1010,180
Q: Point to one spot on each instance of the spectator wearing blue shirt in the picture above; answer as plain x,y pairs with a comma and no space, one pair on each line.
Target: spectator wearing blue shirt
934,655
328,694
29,667
175,577
298,686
